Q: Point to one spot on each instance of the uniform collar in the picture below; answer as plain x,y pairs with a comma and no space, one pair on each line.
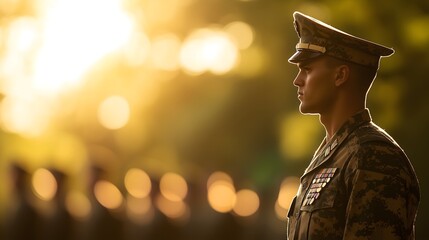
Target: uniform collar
327,148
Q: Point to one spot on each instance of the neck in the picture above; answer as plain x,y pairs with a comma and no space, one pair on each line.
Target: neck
332,121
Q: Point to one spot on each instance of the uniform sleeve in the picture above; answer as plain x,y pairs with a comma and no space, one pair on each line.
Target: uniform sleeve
375,209
379,205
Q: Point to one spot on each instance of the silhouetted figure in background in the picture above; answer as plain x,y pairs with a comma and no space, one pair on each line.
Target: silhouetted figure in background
59,224
22,220
227,228
101,224
162,227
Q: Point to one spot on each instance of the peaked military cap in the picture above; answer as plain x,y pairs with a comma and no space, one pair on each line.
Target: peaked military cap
318,38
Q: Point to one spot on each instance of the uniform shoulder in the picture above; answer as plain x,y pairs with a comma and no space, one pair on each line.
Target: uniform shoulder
370,133
377,151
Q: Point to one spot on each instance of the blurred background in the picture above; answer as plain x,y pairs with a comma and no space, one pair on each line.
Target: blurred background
177,119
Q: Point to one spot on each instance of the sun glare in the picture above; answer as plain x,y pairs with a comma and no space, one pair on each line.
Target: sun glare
75,35
24,114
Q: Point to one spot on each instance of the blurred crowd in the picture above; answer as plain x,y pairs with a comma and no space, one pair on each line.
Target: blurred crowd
26,218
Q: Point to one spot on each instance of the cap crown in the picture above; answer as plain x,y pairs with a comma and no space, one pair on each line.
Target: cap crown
318,38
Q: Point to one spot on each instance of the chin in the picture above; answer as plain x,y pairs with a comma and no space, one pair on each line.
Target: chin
307,111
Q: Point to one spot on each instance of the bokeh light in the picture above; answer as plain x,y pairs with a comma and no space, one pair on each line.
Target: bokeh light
241,33
172,209
78,204
138,49
44,184
208,50
108,195
247,203
166,51
219,176
23,34
114,112
138,183
221,195
139,206
173,187
144,88
288,190
139,210
27,115
20,40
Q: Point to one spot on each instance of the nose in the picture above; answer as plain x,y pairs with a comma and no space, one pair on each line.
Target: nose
297,82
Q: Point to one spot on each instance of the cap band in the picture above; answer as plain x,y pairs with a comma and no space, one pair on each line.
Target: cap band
310,46
317,38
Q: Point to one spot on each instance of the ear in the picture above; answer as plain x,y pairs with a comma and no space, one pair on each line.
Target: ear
342,74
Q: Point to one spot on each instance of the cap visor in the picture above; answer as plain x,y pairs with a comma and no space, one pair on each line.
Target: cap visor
303,55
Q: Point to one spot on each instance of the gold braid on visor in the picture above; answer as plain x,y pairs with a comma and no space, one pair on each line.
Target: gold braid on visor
310,46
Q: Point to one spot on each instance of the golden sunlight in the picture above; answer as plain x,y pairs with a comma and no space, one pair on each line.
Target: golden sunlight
208,50
46,55
75,35
242,34
25,114
165,52
23,35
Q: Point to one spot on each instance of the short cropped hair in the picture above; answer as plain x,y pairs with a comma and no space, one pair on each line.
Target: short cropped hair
364,74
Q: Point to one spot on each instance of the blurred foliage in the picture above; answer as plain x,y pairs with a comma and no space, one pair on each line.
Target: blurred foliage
237,122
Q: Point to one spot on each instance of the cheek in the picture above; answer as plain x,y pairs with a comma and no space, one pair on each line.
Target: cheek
321,86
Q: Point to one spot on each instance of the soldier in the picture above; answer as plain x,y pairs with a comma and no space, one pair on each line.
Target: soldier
359,184
22,220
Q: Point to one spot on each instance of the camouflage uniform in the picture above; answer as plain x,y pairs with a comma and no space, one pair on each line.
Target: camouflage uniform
359,185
